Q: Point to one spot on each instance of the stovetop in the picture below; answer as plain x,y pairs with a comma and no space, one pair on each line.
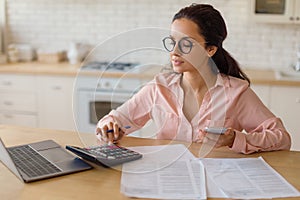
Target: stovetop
111,67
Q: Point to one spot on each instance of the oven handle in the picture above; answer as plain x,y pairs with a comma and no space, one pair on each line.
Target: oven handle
118,97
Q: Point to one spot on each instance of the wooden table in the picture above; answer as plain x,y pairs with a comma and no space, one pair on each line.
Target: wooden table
104,183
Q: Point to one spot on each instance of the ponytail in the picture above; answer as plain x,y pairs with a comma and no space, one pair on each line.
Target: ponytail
228,65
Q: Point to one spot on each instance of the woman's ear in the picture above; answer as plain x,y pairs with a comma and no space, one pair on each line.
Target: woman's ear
211,50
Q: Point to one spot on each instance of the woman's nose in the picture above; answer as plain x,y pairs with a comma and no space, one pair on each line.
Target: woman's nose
176,50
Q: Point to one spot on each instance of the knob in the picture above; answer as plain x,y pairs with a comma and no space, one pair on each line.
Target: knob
297,18
107,84
292,18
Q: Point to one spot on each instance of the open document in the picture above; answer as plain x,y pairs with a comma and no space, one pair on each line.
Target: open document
172,172
165,172
245,178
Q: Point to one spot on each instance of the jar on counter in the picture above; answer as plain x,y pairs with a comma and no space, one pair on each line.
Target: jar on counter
13,53
73,54
20,52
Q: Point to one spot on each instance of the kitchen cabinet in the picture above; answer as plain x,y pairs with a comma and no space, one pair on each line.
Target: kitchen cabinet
279,11
18,100
285,103
263,92
55,97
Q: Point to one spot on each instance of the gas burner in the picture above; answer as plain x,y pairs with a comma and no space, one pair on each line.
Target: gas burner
106,66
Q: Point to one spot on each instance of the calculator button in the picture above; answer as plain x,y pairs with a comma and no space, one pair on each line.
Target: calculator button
102,154
113,154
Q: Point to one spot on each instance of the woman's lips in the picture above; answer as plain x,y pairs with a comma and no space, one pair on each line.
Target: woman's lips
177,62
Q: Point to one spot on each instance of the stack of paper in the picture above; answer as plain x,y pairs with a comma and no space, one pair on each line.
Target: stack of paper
164,172
172,172
245,178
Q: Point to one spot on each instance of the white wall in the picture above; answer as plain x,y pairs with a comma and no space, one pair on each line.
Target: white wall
55,23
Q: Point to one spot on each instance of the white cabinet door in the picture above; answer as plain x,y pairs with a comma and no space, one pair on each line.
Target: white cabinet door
18,119
263,92
285,103
55,102
12,83
18,100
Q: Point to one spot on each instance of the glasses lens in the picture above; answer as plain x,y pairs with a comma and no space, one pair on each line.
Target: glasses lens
185,45
169,43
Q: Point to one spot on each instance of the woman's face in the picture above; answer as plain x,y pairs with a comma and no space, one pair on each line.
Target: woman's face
181,62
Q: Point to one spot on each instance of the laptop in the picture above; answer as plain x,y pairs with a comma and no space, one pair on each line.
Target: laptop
40,160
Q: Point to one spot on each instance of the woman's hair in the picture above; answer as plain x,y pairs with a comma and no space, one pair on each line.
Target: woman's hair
213,28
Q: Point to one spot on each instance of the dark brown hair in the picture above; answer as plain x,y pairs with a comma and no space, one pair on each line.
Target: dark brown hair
213,28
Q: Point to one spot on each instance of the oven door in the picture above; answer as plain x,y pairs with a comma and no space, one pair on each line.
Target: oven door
92,106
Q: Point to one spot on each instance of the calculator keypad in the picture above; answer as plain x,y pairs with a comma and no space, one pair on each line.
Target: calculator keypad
113,154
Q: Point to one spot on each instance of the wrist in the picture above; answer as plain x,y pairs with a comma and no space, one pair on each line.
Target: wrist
232,139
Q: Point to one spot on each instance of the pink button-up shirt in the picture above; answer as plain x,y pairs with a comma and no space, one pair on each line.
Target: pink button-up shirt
229,103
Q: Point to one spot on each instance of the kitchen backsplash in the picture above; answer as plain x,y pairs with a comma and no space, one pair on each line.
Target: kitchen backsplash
55,24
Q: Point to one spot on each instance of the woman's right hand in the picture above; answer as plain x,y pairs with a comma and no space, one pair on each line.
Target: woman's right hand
109,133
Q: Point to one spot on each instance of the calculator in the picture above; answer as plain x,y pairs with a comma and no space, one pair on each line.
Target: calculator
106,155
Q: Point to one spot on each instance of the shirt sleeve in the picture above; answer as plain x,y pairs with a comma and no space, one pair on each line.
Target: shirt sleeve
263,130
135,112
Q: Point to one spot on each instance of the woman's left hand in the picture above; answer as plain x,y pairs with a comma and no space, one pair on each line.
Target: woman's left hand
225,139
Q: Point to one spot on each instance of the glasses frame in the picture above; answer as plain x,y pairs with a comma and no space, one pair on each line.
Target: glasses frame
187,39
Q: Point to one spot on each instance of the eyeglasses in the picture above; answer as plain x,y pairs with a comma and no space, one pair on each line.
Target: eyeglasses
185,44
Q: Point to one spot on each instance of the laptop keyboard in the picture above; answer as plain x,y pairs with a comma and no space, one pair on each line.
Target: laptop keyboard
30,162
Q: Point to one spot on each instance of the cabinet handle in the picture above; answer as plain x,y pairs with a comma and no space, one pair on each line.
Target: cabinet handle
297,18
56,87
8,116
7,83
292,18
8,103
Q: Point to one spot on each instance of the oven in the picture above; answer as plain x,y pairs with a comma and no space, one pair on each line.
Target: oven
94,98
95,105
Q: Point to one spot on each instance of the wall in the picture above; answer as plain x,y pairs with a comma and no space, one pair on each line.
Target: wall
54,24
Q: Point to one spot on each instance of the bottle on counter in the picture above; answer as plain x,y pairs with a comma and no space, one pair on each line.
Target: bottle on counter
77,52
297,66
73,54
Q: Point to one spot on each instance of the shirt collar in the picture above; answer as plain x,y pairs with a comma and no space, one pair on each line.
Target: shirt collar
174,79
222,80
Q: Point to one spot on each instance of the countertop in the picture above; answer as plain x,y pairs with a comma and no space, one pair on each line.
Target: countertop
62,69
257,76
268,77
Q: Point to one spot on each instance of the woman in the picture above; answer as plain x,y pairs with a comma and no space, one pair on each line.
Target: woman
206,89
